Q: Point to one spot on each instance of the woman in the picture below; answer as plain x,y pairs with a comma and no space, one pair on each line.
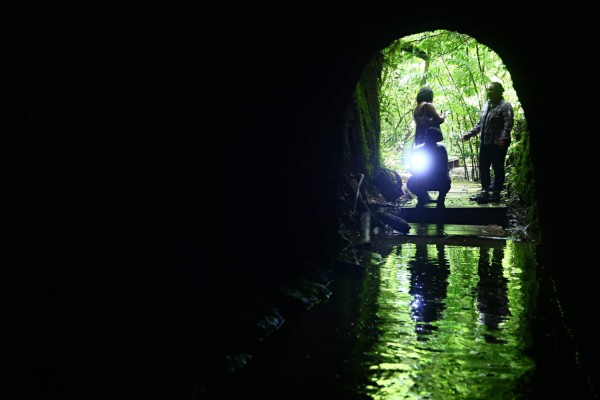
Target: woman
425,114
429,169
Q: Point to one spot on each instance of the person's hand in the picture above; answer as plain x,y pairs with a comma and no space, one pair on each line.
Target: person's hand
502,142
465,137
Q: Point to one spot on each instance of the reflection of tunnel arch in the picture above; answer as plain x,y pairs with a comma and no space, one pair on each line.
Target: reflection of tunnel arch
443,314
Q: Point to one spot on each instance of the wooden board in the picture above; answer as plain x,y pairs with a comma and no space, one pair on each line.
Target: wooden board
459,208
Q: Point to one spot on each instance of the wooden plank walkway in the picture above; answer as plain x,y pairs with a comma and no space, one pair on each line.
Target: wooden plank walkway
459,208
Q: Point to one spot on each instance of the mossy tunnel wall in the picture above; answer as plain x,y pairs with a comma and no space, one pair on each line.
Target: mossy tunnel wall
153,163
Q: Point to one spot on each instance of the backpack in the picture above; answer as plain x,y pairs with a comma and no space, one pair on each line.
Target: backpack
389,183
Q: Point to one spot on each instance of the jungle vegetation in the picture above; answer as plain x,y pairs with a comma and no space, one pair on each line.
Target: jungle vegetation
457,68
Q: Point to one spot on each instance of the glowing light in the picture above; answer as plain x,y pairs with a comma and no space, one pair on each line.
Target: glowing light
419,162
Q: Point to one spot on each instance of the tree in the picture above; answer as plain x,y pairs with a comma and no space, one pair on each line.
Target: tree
457,68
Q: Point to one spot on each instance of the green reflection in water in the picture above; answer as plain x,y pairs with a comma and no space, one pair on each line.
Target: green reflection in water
451,321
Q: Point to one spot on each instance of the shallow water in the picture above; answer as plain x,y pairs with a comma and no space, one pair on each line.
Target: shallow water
418,317
449,321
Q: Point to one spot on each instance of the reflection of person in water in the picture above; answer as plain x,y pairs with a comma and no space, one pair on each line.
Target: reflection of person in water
492,300
428,286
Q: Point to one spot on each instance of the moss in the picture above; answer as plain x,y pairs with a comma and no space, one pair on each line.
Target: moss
363,129
521,176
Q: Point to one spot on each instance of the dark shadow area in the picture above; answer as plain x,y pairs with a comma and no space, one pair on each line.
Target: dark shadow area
424,317
163,179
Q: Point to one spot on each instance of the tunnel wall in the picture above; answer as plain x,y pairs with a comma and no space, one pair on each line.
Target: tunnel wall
152,162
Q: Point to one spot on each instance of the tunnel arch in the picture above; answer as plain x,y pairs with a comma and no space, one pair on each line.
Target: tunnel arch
537,68
531,56
145,154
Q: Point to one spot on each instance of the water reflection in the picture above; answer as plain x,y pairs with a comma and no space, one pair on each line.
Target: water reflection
428,318
492,300
428,284
451,321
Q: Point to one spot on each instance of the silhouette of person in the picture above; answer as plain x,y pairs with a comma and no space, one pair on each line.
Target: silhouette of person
428,286
429,169
492,300
495,123
425,115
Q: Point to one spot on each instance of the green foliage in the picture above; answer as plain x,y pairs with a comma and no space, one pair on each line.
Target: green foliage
520,175
366,125
361,137
458,69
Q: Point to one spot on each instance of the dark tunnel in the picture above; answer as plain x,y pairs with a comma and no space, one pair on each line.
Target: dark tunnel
157,163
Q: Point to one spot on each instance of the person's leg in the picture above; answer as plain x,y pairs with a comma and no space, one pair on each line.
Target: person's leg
416,185
443,189
498,160
486,158
485,162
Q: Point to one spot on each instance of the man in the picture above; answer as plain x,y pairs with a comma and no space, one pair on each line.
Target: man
429,169
495,123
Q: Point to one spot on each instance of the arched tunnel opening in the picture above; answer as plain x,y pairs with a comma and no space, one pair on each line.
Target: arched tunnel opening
158,174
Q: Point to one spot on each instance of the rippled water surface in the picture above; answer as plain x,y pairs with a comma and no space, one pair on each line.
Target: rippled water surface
447,321
417,317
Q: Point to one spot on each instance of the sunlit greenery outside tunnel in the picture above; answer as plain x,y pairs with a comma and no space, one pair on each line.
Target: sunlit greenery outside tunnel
457,68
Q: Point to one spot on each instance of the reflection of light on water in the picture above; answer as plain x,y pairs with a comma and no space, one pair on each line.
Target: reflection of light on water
458,361
416,304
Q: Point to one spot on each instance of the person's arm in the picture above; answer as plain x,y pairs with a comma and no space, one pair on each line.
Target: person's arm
477,128
432,112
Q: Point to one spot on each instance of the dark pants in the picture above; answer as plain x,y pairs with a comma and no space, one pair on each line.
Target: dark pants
492,156
421,184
